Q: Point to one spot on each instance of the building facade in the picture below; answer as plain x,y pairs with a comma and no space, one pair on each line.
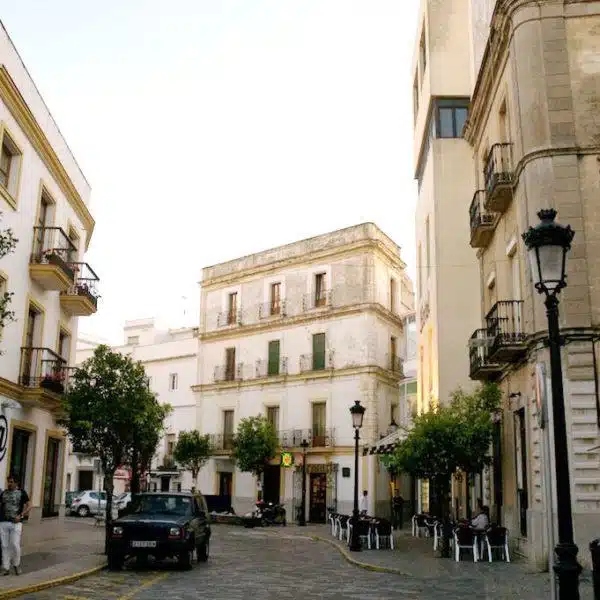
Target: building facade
170,360
298,333
44,199
534,134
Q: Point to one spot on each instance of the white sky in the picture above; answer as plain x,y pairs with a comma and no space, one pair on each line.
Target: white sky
211,129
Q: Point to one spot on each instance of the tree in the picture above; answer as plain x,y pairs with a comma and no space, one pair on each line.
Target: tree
191,451
254,445
451,438
8,242
107,407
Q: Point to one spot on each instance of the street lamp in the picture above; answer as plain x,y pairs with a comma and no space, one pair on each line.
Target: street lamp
357,411
302,519
548,244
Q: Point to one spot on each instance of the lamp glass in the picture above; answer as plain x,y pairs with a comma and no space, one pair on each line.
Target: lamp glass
357,419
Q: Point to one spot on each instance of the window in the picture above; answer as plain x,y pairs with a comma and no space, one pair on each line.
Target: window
451,116
423,53
73,253
49,507
232,308
229,364
416,95
42,239
392,294
227,429
419,269
273,364
10,159
29,355
275,298
318,358
172,382
393,353
20,458
133,340
320,295
64,345
318,424
273,416
428,247
171,441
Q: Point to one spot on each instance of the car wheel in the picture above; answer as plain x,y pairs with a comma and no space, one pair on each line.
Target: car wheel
83,511
185,559
115,562
203,551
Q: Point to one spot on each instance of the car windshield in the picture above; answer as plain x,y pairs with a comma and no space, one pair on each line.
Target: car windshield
163,504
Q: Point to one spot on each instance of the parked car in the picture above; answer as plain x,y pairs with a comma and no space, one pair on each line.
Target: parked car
162,525
69,498
88,503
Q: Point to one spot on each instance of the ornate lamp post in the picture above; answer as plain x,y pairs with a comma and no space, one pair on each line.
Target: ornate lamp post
302,519
548,244
357,411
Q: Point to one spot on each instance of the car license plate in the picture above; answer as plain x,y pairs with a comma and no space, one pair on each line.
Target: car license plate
143,544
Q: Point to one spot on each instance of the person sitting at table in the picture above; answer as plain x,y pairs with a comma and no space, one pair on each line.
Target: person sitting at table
482,521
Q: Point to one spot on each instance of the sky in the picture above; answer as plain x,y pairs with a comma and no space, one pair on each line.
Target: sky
212,129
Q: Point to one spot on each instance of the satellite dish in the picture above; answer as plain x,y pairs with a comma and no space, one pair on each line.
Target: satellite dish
6,403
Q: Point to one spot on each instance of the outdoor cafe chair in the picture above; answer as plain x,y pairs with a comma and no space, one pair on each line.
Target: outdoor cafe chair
419,525
465,539
496,538
384,534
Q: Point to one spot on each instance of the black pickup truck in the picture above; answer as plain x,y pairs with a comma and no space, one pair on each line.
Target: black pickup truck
161,525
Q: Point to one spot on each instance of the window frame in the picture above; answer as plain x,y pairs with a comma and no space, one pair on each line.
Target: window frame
454,105
173,382
10,191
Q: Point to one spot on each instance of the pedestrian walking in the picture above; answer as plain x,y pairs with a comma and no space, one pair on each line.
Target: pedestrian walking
398,507
14,507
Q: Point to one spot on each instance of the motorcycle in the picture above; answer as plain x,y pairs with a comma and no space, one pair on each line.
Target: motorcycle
265,514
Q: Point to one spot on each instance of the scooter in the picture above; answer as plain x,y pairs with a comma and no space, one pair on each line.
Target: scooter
266,514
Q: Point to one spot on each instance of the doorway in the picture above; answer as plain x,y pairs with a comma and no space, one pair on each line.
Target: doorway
165,484
225,484
271,483
85,480
318,498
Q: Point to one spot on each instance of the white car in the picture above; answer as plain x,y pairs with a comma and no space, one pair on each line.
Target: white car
88,502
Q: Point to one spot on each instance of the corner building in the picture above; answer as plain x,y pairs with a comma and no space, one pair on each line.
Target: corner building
298,333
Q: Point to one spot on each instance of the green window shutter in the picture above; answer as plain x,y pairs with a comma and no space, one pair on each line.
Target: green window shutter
273,367
318,352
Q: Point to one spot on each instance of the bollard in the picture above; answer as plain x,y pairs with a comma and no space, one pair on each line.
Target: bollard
595,552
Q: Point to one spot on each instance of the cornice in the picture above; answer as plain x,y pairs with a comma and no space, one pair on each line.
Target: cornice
14,101
32,397
308,258
307,317
382,375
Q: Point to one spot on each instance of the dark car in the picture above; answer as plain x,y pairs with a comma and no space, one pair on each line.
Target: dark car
162,525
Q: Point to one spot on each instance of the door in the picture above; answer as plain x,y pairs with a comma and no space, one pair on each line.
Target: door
273,365
19,455
318,351
318,424
229,364
318,498
225,484
271,483
85,480
521,460
28,367
165,484
51,478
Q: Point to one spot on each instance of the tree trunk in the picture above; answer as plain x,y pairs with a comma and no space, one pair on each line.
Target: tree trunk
134,486
195,479
109,488
442,491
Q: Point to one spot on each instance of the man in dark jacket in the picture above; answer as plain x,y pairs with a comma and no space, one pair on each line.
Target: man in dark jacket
398,507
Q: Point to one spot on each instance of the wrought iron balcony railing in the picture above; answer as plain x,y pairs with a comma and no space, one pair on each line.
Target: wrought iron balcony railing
482,221
505,326
229,372
320,300
394,363
317,437
273,309
221,441
481,367
86,282
229,318
42,367
267,368
317,362
52,246
499,177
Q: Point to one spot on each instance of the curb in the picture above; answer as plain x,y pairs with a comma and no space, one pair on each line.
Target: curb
44,585
356,563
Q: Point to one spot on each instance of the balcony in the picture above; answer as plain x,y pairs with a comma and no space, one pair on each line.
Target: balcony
317,437
43,368
229,318
272,310
50,257
394,364
265,368
316,362
499,177
221,442
505,328
481,368
482,222
229,373
313,301
81,299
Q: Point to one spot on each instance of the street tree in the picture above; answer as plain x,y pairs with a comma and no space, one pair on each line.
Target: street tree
254,445
8,243
191,452
107,404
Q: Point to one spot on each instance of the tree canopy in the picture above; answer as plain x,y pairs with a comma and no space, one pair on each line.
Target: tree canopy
8,242
191,451
254,444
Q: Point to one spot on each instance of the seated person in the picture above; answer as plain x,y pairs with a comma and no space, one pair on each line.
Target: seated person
482,521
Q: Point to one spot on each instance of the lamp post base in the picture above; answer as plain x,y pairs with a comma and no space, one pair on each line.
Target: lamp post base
567,571
354,545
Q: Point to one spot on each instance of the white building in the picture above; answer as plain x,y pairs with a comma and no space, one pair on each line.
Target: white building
169,358
44,198
298,333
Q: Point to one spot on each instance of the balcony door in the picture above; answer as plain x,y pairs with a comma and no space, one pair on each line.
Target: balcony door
30,359
229,364
227,429
273,364
49,508
318,424
318,356
521,468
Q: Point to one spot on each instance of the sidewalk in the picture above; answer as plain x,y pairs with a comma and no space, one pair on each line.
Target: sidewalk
414,557
79,549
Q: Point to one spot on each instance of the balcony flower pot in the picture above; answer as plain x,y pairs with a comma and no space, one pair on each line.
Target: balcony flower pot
53,385
84,290
53,258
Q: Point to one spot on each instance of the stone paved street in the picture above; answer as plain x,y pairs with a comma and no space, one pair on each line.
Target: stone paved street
269,564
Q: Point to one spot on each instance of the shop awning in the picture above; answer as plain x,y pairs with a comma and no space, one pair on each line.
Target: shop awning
385,445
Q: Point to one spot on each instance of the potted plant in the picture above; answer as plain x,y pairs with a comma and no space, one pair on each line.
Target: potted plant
54,381
53,257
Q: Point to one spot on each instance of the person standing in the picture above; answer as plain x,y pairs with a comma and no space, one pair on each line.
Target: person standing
398,506
364,503
14,507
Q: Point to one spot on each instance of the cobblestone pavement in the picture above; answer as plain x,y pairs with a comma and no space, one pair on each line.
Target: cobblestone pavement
283,565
